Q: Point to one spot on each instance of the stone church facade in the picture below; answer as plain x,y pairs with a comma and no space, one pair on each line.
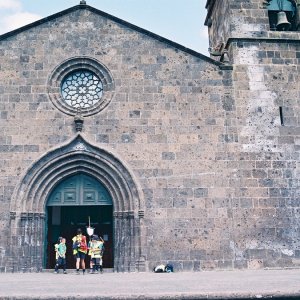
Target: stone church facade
175,157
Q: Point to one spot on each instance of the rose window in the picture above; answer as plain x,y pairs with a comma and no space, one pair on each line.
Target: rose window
82,89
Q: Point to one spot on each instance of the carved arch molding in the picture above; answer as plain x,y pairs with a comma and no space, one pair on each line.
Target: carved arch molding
28,219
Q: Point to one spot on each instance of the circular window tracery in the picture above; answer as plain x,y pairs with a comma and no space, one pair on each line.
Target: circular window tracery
81,83
82,89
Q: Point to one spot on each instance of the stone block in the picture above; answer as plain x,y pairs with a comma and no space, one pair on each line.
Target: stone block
168,155
200,192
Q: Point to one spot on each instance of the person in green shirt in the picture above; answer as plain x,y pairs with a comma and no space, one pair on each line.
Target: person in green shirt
60,254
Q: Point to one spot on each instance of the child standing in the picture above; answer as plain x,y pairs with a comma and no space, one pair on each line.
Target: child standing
60,254
97,248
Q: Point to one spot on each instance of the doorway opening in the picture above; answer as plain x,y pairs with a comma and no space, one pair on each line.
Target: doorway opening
65,220
72,203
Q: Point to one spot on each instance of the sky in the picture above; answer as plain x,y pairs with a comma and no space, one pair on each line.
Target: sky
178,20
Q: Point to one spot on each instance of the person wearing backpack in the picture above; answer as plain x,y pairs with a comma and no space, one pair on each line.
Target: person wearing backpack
97,249
79,250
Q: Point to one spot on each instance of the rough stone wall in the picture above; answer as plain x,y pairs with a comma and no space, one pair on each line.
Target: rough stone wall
167,123
219,23
264,158
238,18
249,18
266,77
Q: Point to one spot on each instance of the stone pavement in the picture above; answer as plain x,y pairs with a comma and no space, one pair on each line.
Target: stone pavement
203,285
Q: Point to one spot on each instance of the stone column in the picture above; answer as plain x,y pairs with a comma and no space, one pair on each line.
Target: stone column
298,15
117,242
141,242
13,243
27,242
124,247
129,228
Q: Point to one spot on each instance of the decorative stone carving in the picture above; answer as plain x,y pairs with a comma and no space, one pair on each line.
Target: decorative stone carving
58,80
217,50
80,147
78,119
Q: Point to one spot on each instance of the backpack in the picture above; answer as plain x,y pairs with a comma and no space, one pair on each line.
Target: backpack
159,269
163,269
82,244
169,268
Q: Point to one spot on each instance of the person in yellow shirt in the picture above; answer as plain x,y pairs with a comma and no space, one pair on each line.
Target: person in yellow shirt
79,250
96,250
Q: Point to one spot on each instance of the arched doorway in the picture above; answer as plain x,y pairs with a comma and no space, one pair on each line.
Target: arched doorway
73,202
28,214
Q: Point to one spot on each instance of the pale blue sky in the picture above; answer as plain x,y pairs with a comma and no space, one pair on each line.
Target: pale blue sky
178,20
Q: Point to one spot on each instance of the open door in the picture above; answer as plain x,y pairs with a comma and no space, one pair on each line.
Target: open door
69,207
64,221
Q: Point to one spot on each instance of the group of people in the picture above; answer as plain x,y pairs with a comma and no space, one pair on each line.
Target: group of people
81,248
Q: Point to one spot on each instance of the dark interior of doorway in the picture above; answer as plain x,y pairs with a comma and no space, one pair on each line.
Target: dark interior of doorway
65,220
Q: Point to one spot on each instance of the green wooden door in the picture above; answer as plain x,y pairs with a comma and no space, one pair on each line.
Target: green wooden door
79,190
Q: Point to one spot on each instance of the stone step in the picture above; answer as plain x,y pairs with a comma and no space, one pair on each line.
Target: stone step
105,270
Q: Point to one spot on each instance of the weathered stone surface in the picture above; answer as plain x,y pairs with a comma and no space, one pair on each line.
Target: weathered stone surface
266,178
215,174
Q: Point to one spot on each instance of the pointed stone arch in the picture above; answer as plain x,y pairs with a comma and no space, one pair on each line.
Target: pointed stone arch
78,156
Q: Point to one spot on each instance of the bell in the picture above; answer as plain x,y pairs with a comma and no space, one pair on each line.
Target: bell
282,22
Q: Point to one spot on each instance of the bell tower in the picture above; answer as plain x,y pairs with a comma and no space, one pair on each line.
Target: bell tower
252,19
262,40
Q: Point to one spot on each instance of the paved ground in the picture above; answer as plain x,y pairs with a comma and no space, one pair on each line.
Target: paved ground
202,285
